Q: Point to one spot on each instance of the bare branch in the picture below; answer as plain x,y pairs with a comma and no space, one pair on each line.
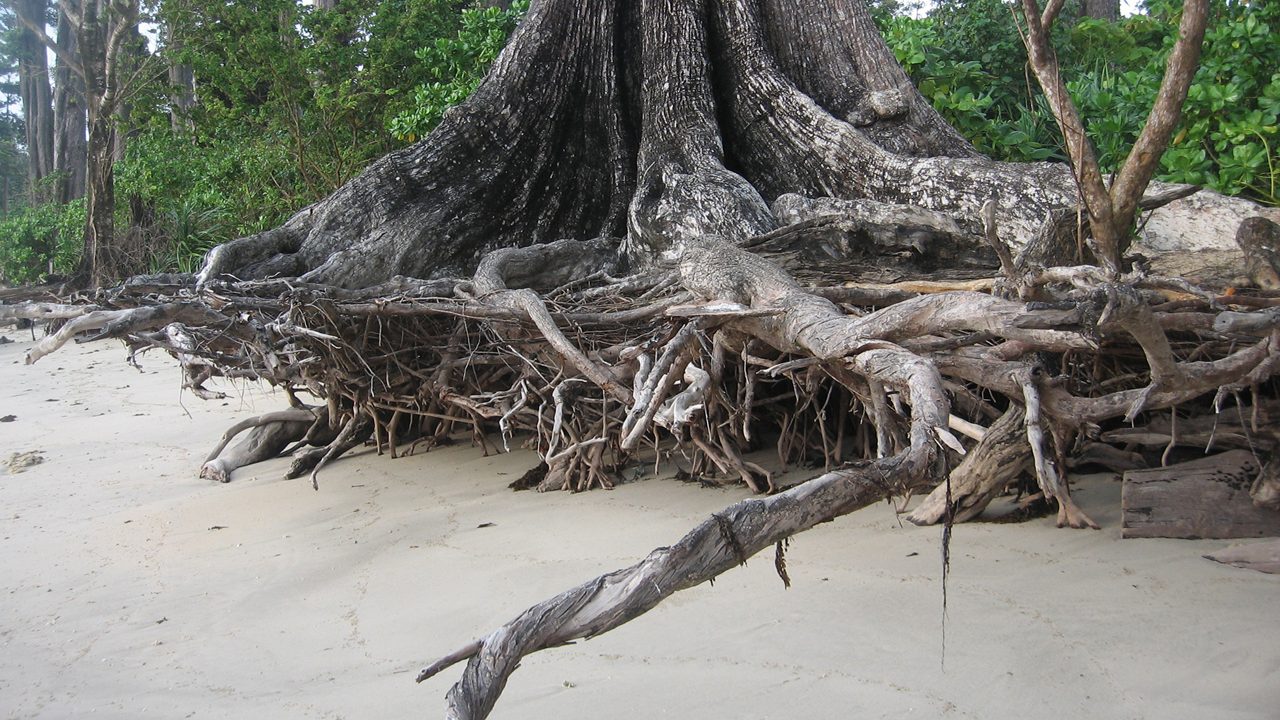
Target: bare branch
1144,158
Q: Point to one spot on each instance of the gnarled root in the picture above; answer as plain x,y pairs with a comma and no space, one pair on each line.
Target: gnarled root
270,435
985,473
719,543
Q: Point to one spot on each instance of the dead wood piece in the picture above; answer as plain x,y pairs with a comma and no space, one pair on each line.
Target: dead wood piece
308,460
719,543
117,323
1052,483
266,440
1112,458
1060,242
1259,238
1266,488
1205,498
985,473
1260,556
43,311
285,416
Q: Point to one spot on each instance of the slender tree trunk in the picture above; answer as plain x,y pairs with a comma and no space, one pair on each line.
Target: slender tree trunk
123,19
182,87
1102,9
98,261
70,120
37,97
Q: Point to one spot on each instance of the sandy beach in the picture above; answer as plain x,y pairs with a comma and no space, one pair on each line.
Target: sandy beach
133,589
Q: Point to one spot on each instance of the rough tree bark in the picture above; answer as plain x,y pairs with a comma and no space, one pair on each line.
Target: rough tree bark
104,32
69,144
1102,9
636,110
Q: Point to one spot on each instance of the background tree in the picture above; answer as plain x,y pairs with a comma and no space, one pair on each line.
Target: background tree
70,121
37,98
1101,9
106,38
1113,207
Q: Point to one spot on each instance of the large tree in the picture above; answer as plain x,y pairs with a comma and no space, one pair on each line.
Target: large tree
37,98
660,121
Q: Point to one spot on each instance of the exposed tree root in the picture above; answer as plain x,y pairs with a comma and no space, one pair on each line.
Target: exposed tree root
722,542
270,435
985,473
700,363
790,249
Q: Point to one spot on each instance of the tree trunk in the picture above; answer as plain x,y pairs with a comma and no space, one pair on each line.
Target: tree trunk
37,103
106,37
654,127
1102,9
182,87
99,263
70,121
123,20
657,129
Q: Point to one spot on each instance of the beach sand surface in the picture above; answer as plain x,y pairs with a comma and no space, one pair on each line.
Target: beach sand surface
133,589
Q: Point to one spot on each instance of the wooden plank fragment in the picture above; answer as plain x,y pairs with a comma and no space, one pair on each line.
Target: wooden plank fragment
1261,556
1205,498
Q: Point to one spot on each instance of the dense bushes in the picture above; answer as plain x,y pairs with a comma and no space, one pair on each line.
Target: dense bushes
41,241
967,58
457,65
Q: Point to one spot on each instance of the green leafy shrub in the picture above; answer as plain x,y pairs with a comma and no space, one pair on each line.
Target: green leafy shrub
966,57
41,241
456,65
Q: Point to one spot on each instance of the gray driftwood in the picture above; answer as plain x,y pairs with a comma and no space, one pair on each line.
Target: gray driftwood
1261,556
986,471
1205,498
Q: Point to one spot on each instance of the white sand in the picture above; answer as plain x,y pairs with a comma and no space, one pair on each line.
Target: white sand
118,600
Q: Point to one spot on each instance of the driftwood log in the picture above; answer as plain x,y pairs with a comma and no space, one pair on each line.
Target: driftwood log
1263,556
1205,498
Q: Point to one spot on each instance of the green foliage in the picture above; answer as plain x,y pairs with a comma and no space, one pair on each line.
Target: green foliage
40,241
456,65
206,192
966,57
291,103
1228,138
193,228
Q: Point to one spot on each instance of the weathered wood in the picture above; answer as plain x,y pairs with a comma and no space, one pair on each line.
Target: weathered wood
269,436
1232,428
1205,498
986,471
1266,488
1260,556
1259,238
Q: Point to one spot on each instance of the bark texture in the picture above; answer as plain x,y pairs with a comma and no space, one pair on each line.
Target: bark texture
656,120
69,148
